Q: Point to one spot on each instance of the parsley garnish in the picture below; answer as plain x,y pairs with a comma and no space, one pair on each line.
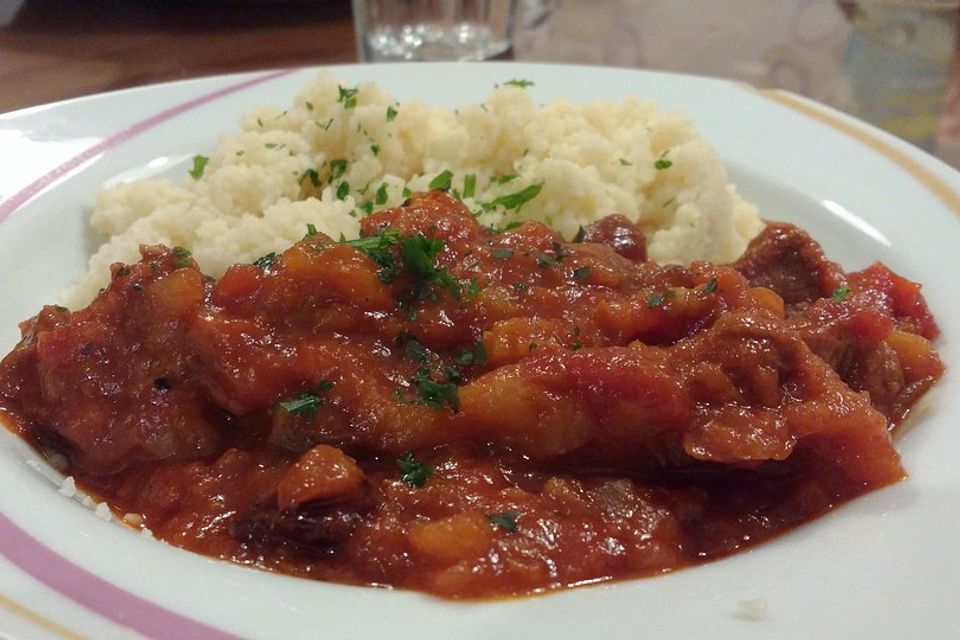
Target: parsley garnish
375,149
469,185
379,248
654,300
311,230
348,97
199,164
312,175
181,257
625,163
501,254
477,356
472,288
266,260
309,105
442,180
381,196
504,228
711,286
662,162
413,472
515,200
307,402
523,84
343,190
413,349
506,520
391,113
419,254
582,273
840,293
337,168
431,393
581,234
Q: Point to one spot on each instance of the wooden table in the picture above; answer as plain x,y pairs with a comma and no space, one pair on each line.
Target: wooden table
57,49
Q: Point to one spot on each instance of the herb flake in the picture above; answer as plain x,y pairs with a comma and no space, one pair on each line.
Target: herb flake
840,294
413,472
199,164
506,520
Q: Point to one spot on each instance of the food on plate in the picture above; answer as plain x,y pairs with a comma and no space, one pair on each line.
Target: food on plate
474,411
340,152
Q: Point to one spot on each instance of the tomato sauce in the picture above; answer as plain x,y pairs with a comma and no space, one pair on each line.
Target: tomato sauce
475,412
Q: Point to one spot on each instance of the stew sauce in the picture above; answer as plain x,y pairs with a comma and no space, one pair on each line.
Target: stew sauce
475,412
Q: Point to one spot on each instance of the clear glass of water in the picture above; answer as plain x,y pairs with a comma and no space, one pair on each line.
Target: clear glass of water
396,30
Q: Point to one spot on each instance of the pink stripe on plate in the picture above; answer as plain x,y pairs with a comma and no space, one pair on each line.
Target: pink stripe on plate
38,560
18,199
96,594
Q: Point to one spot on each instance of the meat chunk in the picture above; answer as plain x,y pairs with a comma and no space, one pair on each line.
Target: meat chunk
784,259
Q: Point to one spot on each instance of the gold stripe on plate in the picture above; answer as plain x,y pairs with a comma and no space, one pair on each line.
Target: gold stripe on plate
924,176
38,619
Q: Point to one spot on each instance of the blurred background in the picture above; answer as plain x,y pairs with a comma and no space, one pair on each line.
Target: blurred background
891,62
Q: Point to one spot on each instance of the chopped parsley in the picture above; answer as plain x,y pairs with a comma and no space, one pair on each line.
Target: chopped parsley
476,356
504,228
381,196
375,149
347,96
501,253
472,288
442,180
581,234
517,199
265,261
581,273
546,261
309,105
431,393
711,286
312,175
654,300
662,162
337,169
391,113
311,230
840,294
307,402
380,248
506,520
412,348
469,185
181,257
523,84
199,164
419,254
343,190
412,472
625,163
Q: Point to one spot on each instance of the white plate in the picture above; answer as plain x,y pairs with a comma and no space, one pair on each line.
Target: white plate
885,565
